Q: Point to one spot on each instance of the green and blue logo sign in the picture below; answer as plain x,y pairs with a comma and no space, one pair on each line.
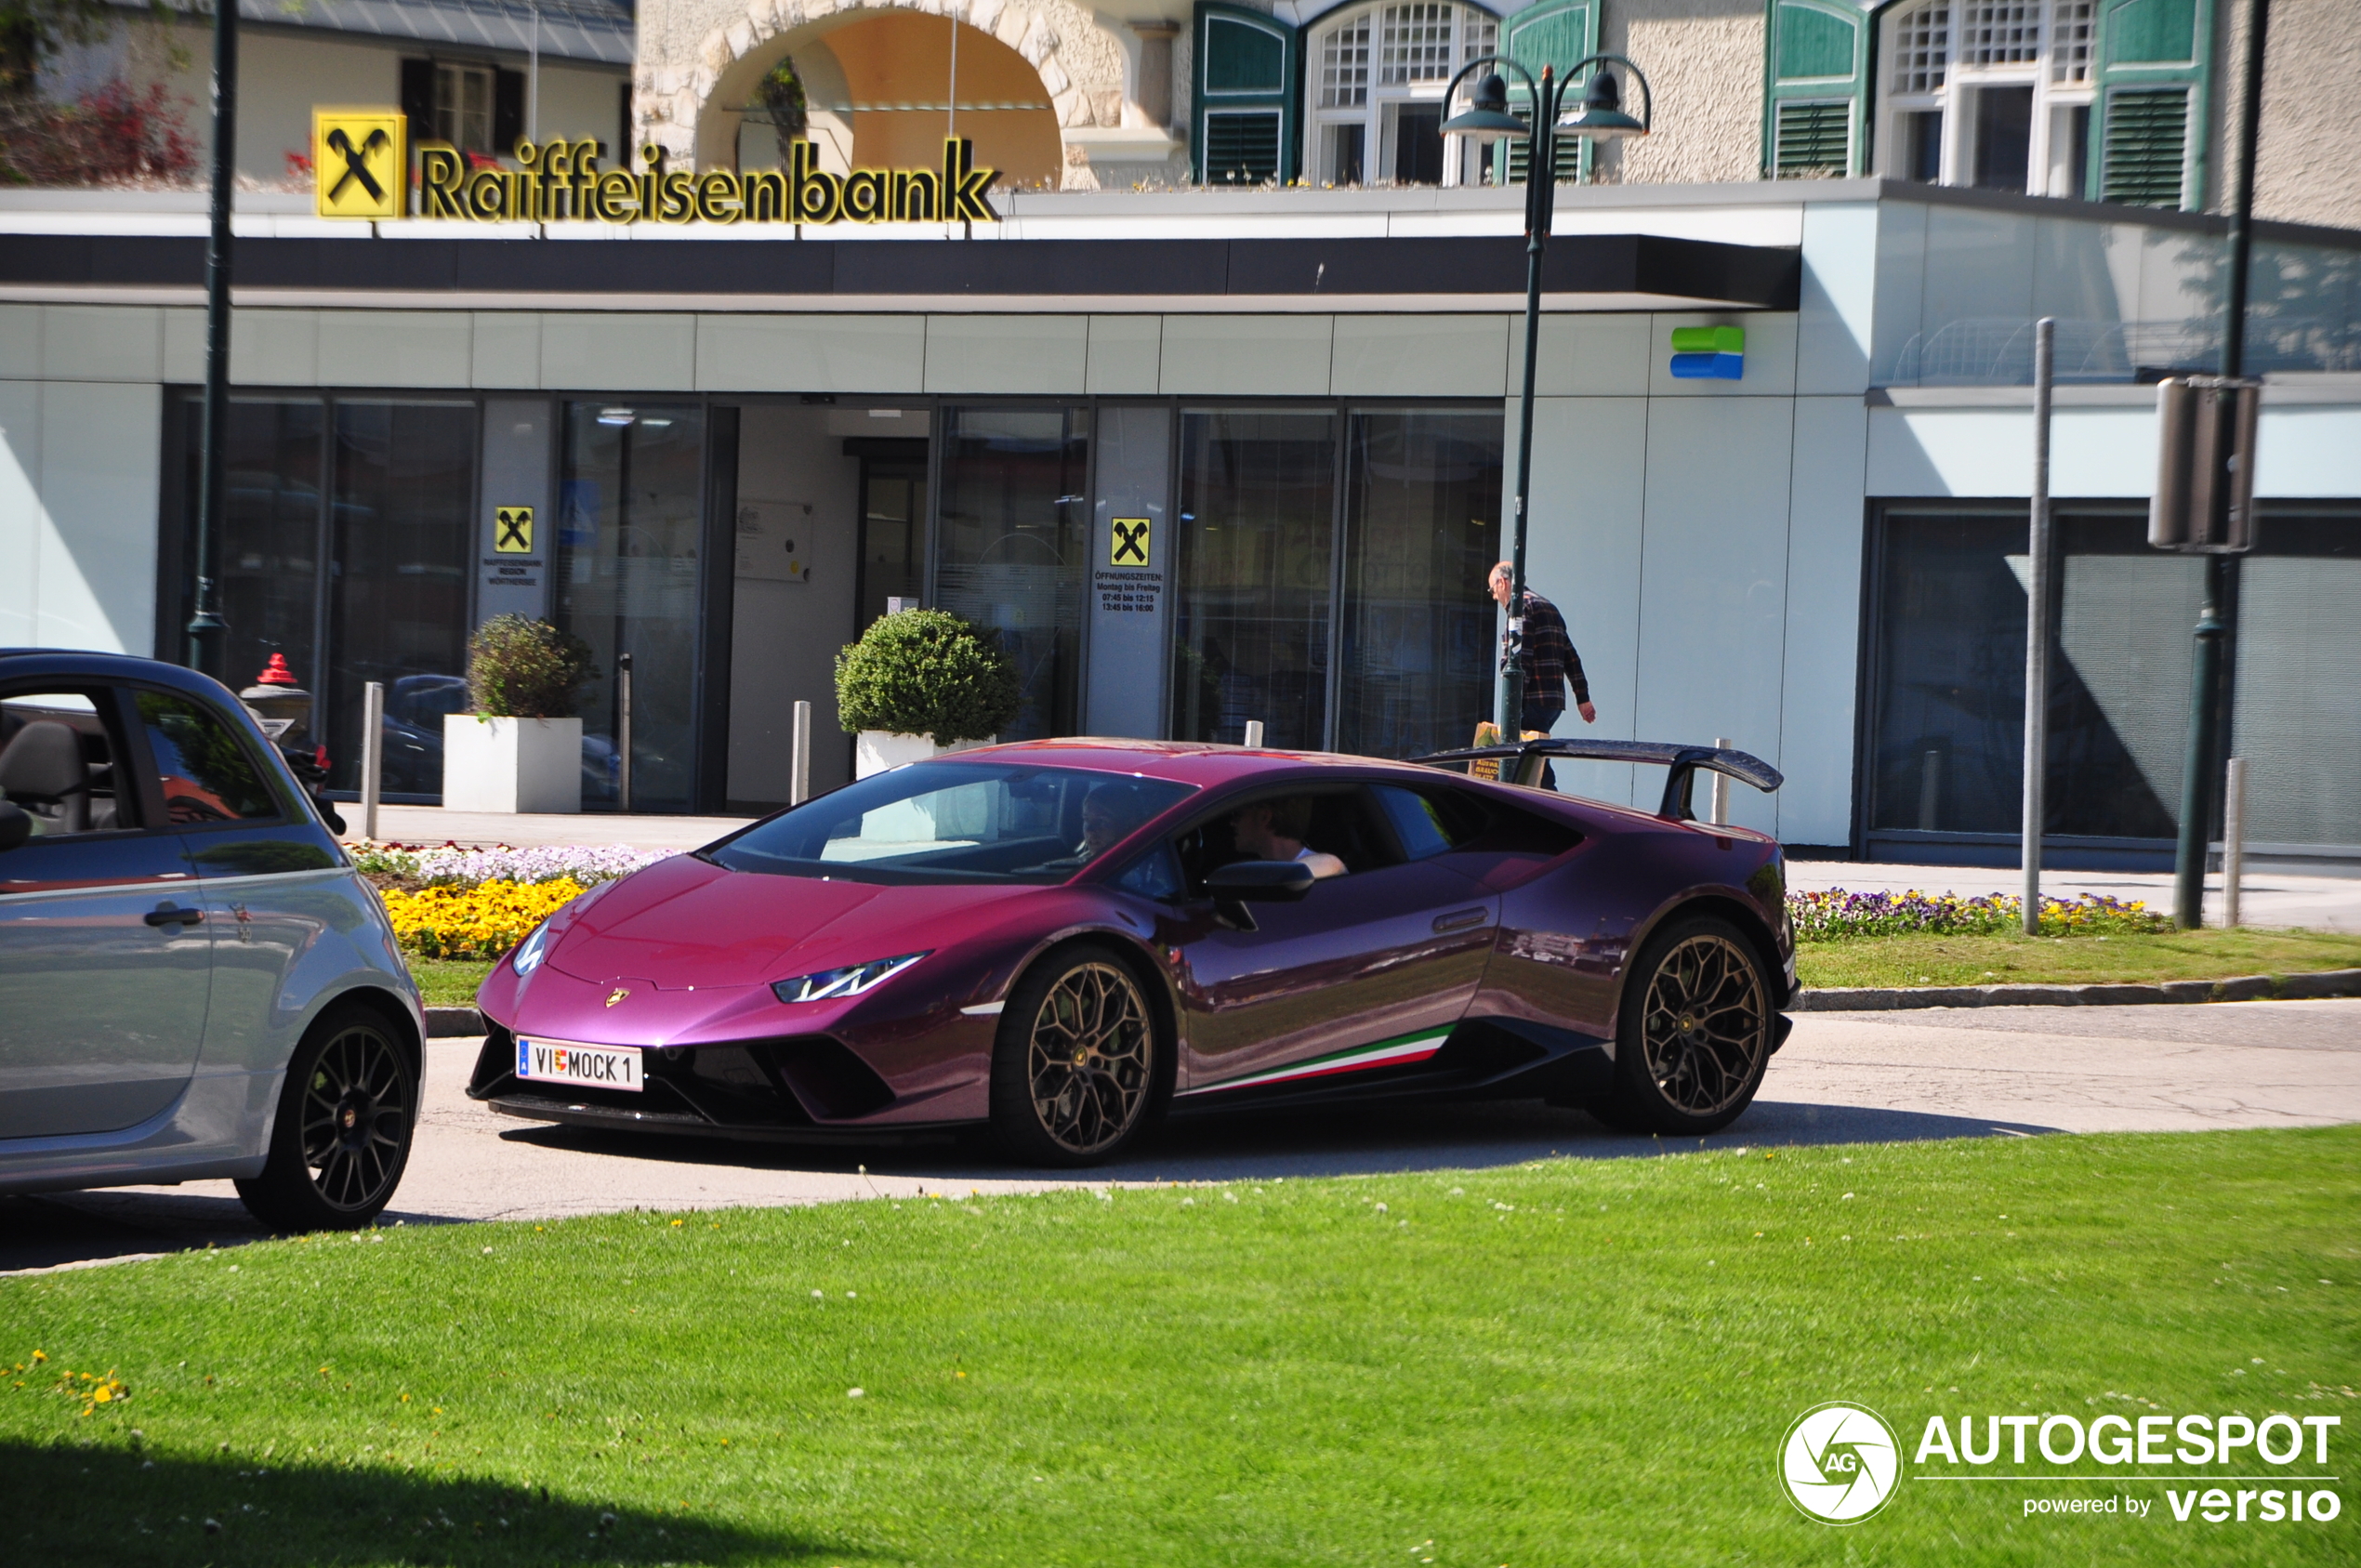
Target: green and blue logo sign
1709,353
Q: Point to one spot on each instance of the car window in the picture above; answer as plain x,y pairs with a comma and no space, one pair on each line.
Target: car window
208,773
1337,822
955,821
1155,876
1418,820
60,762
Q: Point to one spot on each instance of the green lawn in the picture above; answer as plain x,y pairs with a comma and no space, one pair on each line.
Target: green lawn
2074,960
1901,960
448,982
1564,1362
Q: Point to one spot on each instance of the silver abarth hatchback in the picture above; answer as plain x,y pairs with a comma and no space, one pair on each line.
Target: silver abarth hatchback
195,982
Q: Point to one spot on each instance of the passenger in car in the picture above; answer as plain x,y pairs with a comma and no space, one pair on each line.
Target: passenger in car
1109,813
1273,830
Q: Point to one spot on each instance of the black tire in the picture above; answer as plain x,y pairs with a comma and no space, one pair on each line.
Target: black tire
342,1136
1694,1032
1081,1065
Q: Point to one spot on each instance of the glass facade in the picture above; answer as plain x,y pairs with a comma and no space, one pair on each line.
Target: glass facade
1011,547
400,574
1947,681
1251,575
1421,531
630,511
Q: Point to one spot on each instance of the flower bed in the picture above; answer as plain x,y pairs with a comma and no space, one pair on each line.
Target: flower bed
1837,914
419,865
480,922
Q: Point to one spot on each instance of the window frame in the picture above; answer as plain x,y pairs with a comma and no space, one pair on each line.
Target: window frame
1475,31
1954,97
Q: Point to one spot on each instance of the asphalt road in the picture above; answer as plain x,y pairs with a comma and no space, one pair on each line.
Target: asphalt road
1843,1078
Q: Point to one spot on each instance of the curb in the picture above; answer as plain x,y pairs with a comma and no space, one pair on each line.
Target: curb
456,1023
445,1023
2243,988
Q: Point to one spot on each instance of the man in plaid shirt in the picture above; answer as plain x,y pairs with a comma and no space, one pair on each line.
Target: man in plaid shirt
1551,662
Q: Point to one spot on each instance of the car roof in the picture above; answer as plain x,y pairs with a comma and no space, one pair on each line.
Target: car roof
1202,764
89,664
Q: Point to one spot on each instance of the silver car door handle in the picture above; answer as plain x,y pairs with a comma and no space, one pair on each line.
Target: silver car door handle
1459,921
169,916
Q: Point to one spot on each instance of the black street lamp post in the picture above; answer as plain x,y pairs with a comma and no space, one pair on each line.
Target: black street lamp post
1488,120
205,625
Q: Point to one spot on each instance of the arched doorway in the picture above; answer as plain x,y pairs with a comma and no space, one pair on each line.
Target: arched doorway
879,95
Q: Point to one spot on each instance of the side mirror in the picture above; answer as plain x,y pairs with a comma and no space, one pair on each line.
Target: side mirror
15,825
1237,885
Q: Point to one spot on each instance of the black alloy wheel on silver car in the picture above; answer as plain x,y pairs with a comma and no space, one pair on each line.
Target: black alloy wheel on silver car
342,1135
1694,1031
1079,1065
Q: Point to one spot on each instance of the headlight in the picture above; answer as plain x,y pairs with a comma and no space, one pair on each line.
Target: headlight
851,980
528,956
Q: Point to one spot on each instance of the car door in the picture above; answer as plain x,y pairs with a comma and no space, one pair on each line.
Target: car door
1368,972
271,880
106,958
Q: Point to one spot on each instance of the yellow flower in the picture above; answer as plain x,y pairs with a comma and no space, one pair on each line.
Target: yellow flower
480,922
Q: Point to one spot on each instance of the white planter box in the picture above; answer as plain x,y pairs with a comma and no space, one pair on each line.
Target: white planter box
511,764
874,751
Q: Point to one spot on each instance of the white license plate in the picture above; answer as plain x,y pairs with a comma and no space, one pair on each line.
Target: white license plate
588,1067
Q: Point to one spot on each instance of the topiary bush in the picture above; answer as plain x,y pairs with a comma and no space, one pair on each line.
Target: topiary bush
519,668
927,672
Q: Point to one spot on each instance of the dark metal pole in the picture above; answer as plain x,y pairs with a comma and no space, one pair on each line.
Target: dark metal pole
205,627
2037,627
2205,696
1541,205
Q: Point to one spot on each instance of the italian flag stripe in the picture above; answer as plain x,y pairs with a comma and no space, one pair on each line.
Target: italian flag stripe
1396,1052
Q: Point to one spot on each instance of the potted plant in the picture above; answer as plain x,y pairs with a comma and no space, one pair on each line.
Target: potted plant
521,750
921,683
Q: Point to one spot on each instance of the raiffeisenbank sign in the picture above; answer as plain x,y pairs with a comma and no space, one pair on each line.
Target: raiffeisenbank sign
362,167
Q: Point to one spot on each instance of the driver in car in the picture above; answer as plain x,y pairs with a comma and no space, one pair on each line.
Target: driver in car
1273,830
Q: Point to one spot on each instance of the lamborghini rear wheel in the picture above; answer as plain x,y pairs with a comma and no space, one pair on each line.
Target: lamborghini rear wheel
1694,1032
1078,1063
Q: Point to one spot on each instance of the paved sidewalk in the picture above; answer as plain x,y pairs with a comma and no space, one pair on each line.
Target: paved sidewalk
432,824
1843,1078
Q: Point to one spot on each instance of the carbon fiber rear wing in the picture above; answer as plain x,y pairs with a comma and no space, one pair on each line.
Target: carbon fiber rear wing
1522,764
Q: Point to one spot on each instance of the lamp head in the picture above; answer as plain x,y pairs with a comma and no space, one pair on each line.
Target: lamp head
1602,115
1487,118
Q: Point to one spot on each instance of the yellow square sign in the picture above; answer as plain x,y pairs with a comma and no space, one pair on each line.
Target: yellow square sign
360,163
512,529
1129,544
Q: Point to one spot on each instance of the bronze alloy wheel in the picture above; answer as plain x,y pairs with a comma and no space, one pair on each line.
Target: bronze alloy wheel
1089,1057
1706,1026
356,1119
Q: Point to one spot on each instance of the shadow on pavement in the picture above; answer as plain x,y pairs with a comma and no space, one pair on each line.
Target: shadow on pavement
107,1504
73,1228
1356,1141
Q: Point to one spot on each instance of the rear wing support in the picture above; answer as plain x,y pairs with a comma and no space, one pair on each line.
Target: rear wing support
1523,764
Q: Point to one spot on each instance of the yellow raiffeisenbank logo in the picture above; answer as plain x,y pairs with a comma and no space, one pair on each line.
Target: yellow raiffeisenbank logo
360,163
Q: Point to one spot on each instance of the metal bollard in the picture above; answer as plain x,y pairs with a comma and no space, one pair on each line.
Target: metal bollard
2234,840
1254,732
1717,810
373,754
622,731
799,770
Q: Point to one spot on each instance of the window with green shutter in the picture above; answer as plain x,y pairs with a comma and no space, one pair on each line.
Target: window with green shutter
1556,34
2154,68
1249,71
1815,88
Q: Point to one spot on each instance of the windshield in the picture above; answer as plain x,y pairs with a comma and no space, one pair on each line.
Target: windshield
955,821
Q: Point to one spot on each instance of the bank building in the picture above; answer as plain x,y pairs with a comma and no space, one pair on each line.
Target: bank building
1182,346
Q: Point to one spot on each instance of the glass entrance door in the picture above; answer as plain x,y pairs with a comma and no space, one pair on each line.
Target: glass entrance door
629,519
